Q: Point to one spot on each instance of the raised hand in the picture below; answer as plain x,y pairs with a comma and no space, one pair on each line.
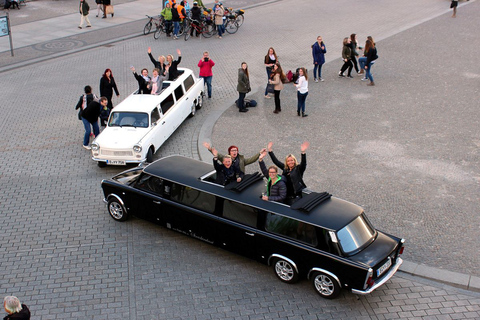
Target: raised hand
269,146
304,146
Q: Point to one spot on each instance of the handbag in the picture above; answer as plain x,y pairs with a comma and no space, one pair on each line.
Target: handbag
109,9
270,88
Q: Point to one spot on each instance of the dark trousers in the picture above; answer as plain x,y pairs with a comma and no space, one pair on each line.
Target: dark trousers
348,65
277,100
355,64
241,100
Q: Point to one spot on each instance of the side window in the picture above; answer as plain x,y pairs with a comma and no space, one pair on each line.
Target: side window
189,82
178,92
150,184
167,103
291,228
155,115
193,198
240,213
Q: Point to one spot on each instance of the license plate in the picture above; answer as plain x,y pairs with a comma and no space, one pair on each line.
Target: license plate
385,267
116,162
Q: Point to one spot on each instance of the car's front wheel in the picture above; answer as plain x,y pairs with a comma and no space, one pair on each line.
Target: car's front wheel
116,209
326,285
285,271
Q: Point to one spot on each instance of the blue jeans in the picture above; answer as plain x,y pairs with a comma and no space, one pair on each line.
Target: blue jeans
269,72
241,100
319,68
301,101
220,29
176,27
96,130
368,72
362,61
208,82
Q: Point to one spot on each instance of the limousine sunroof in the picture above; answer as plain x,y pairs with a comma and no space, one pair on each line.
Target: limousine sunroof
247,181
310,201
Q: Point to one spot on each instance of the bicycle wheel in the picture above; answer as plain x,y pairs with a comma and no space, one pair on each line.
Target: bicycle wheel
158,32
239,20
147,28
231,26
207,31
181,30
187,32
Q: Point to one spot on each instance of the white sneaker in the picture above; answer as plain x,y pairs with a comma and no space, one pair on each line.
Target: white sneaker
87,147
364,79
316,80
321,79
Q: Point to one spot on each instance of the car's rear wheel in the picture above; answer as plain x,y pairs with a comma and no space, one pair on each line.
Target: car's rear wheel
116,209
285,271
150,155
193,109
326,285
199,104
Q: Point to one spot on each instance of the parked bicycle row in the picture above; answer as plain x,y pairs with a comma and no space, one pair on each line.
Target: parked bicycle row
176,21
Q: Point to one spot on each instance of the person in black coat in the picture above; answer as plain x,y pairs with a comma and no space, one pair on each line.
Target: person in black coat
107,85
160,64
90,118
15,309
173,71
143,81
84,100
292,171
196,17
226,173
276,186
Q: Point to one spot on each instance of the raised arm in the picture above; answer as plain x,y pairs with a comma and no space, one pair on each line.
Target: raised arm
274,159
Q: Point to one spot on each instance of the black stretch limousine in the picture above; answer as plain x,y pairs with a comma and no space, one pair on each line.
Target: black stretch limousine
323,238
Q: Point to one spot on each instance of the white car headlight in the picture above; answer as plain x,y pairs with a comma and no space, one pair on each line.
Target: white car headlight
137,148
95,146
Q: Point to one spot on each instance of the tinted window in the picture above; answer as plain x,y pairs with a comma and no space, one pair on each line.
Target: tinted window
178,92
292,228
188,82
150,183
155,115
167,103
193,198
240,213
355,234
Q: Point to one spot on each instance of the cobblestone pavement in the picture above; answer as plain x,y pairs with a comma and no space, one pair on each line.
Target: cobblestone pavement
411,157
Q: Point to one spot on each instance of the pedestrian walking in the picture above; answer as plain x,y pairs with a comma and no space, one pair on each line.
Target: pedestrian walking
302,91
90,119
107,86
347,58
269,61
353,46
277,79
318,53
243,87
219,13
206,64
363,59
99,7
453,6
84,100
107,8
84,8
15,309
371,56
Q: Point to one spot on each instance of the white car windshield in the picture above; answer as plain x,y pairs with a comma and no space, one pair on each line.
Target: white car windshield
128,119
355,234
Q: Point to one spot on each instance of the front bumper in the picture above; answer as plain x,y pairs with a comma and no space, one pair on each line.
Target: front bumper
382,280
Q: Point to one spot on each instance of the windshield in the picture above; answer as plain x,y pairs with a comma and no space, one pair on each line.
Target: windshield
355,235
128,119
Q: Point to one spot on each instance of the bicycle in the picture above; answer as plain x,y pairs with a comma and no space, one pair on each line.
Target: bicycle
238,15
201,28
148,26
162,28
231,26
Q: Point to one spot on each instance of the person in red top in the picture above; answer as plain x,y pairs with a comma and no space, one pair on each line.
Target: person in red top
206,64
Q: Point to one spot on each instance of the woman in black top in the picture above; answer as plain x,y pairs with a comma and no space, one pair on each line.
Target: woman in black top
270,60
292,171
371,54
107,85
173,72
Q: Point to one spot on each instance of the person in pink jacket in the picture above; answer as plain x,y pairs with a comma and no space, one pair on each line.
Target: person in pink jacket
206,64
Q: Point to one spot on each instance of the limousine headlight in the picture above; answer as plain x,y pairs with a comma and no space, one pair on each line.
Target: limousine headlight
95,146
137,148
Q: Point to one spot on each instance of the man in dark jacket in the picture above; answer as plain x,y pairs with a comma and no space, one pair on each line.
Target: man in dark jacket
84,100
90,118
15,310
84,9
143,81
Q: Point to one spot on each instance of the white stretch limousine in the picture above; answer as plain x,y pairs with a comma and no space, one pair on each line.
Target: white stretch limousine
141,123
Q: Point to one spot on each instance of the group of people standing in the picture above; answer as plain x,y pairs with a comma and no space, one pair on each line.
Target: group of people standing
350,54
103,6
286,187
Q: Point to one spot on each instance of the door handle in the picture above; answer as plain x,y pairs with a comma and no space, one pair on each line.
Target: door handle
249,234
157,202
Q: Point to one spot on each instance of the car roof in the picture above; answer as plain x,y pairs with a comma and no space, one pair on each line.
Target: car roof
333,213
147,102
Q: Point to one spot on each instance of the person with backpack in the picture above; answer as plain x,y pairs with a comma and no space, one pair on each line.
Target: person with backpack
84,8
318,53
90,118
371,56
277,79
84,100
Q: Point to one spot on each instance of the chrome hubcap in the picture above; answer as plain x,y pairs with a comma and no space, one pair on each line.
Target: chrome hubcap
284,270
324,285
116,210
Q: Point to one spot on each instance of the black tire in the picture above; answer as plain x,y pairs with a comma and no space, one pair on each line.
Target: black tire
101,164
187,33
147,28
116,209
240,20
158,33
231,26
325,285
199,103
208,31
285,271
150,155
193,111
